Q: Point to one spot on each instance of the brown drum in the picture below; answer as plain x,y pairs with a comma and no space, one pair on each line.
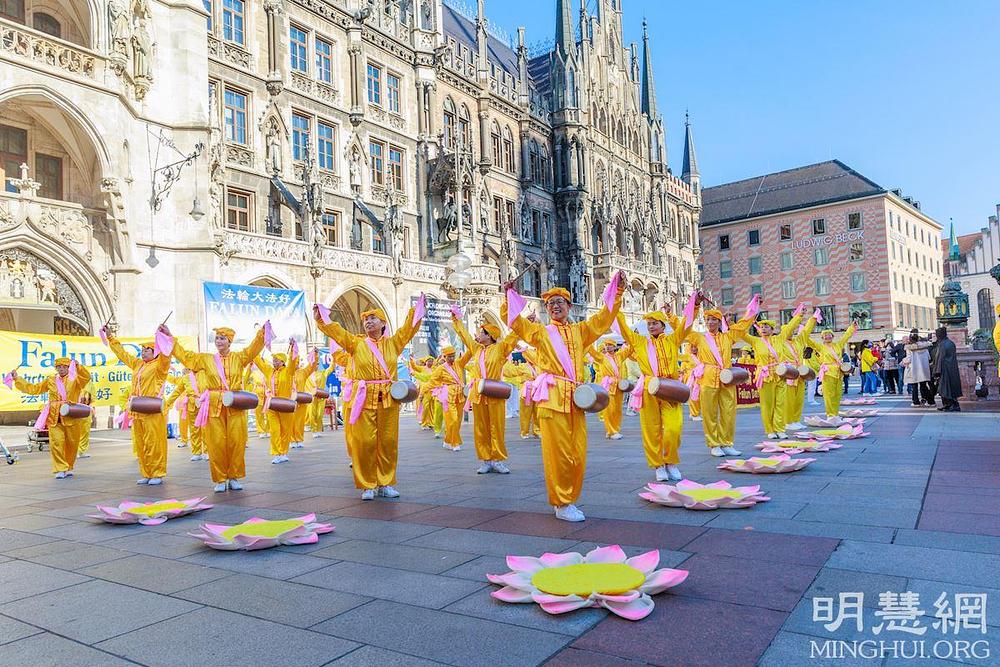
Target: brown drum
146,405
591,397
806,372
404,391
733,376
666,389
321,394
494,389
282,405
846,368
786,371
240,400
303,398
74,410
626,385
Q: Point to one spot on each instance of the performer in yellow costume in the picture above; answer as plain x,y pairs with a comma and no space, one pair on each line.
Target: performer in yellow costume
527,415
489,353
184,398
447,387
692,370
372,430
661,421
768,351
279,380
421,372
610,369
302,376
714,349
65,433
996,334
830,375
314,416
225,430
149,431
560,350
87,398
255,383
793,352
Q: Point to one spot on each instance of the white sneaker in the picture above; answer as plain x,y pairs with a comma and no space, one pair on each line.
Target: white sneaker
616,436
437,436
782,436
388,492
234,485
182,444
675,473
276,459
204,457
69,473
662,475
696,419
83,456
794,426
717,451
525,437
813,402
500,467
772,436
262,435
368,494
220,487
731,451
196,457
569,513
445,445
144,480
155,481
297,445
485,468
456,448
317,435
60,475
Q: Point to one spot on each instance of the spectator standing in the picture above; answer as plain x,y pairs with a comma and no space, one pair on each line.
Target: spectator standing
949,384
890,365
918,371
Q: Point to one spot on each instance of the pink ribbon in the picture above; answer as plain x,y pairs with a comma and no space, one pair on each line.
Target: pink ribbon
72,372
221,369
347,389
798,311
441,394
689,310
8,380
103,333
654,363
203,408
182,407
377,353
611,291
420,409
526,390
818,314
515,304
359,400
562,352
455,311
638,394
763,372
293,349
163,344
753,308
540,387
419,310
43,417
269,335
710,339
606,382
324,314
123,420
822,371
694,381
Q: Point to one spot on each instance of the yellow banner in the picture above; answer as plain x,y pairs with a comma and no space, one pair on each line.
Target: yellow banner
36,354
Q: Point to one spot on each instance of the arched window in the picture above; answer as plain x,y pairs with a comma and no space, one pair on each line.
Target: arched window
508,151
465,126
596,238
497,145
604,122
449,123
571,89
534,168
45,23
984,302
545,168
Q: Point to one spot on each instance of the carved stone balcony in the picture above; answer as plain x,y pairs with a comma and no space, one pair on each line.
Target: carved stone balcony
19,42
66,222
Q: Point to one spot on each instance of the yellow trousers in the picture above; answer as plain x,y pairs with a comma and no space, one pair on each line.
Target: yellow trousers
226,438
772,407
189,433
612,415
262,417
149,435
833,391
64,442
694,407
373,442
299,423
437,421
795,399
661,423
315,416
281,431
85,436
528,417
564,453
453,423
488,420
718,415
427,415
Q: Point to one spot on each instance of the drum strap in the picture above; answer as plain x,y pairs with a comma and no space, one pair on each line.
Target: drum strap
473,386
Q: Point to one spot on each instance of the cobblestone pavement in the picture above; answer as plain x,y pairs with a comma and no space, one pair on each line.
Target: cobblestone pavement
912,507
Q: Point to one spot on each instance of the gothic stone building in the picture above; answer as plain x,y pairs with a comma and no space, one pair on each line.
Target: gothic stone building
346,148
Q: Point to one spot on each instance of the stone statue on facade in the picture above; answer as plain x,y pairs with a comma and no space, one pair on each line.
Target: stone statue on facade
121,244
578,279
142,51
484,210
355,169
447,222
524,214
120,28
272,141
394,230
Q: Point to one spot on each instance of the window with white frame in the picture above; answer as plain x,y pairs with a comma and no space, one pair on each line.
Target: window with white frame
787,260
331,228
821,256
324,60
859,281
233,21
234,115
392,92
822,286
326,146
755,266
376,150
725,269
297,49
787,289
374,84
300,137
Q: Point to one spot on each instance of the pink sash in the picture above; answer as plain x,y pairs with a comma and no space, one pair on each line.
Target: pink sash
221,369
764,370
202,402
654,363
473,385
562,352
43,415
693,381
710,340
637,394
362,385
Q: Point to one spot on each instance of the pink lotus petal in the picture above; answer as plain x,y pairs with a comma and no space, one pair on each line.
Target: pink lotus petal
661,580
566,605
611,554
153,521
646,562
559,560
645,495
513,595
721,484
748,490
683,484
636,610
627,596
524,564
513,580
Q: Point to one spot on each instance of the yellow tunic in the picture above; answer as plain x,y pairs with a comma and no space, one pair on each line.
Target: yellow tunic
563,425
528,416
87,396
226,431
488,414
792,353
278,384
768,352
373,440
314,416
64,432
449,376
610,368
829,365
149,432
302,377
184,397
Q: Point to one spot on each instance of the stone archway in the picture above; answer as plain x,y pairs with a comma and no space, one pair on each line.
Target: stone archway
36,297
347,308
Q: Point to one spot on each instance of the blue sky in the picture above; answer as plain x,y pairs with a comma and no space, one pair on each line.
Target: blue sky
905,92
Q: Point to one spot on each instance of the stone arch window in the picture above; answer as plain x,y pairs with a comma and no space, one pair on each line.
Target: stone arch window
571,98
46,23
597,238
509,162
465,126
604,122
984,302
534,168
545,168
496,140
450,123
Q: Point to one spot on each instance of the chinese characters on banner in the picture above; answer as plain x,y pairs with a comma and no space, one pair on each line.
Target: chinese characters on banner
435,331
244,308
36,353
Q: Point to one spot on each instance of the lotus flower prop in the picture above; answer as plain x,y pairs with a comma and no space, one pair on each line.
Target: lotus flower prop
149,514
257,533
796,446
694,496
832,422
842,432
605,577
859,412
857,401
761,465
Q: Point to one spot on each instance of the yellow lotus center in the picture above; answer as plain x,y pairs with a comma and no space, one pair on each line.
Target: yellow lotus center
586,578
262,529
767,462
792,444
710,494
153,508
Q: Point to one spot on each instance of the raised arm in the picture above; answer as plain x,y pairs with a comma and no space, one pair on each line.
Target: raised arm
846,336
789,329
631,337
253,350
33,388
463,333
406,331
339,334
508,343
188,359
129,360
804,337
264,367
527,331
598,324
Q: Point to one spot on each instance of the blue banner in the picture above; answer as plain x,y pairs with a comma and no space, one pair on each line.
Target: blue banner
244,308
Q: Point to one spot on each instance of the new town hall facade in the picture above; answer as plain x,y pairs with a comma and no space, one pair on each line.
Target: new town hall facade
342,147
